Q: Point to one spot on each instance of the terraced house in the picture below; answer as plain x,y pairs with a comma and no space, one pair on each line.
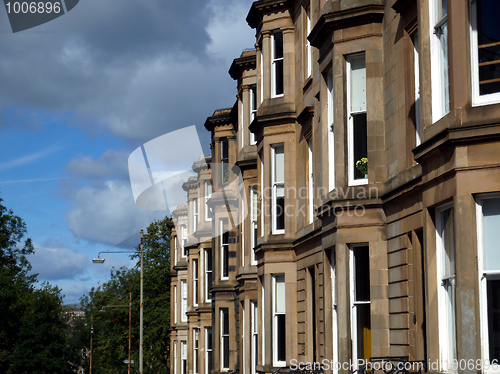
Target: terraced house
365,221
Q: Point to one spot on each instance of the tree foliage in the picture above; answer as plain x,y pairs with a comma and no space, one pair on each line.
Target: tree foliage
110,327
34,335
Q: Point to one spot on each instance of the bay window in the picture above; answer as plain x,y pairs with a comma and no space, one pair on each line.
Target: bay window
195,282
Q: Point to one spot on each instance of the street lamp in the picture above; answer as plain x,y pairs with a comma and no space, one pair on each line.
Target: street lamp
100,260
129,323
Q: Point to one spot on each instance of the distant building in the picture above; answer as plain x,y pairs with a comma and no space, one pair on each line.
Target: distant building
367,133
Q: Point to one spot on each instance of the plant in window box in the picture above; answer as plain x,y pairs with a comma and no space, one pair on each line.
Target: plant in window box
362,166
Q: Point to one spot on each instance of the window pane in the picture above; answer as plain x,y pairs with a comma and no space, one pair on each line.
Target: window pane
358,84
363,331
361,274
441,9
281,343
278,45
360,141
280,293
279,163
493,290
448,242
491,222
488,30
280,213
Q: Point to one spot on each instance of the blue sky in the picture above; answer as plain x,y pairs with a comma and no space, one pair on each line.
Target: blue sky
79,94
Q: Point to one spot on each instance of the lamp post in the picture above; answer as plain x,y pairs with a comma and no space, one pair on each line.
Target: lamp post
129,324
100,260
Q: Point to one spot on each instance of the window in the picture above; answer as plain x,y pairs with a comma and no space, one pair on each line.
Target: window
224,250
242,121
445,246
308,44
485,44
489,273
357,129
184,240
255,337
224,338
208,196
360,302
175,357
183,300
208,350
416,69
195,282
261,193
277,64
243,345
195,214
279,321
278,185
208,274
261,75
254,201
333,274
175,250
263,300
195,350
253,110
224,160
311,314
183,357
331,140
439,57
310,179
175,304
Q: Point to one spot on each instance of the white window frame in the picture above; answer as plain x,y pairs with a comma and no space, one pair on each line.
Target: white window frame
195,214
176,305
224,249
477,98
261,75
275,185
224,336
274,61
350,125
353,302
440,77
243,222
196,292
184,299
330,130
175,357
254,200
208,260
310,179
242,117
276,314
308,43
335,344
196,347
255,336
208,196
263,318
446,297
184,357
175,249
253,110
483,278
261,193
208,349
183,240
416,68
243,345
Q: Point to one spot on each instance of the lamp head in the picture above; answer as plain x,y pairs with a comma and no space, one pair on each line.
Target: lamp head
98,260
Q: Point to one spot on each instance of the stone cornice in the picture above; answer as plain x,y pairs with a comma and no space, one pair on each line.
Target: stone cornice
220,117
344,19
247,61
259,8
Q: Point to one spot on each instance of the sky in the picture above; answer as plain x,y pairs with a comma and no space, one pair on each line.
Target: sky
79,94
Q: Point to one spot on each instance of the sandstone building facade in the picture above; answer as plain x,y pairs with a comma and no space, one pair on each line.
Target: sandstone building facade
313,257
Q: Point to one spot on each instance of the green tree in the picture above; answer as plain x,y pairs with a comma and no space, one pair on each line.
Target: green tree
110,337
33,330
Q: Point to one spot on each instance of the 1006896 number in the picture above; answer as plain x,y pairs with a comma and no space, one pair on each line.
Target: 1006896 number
33,7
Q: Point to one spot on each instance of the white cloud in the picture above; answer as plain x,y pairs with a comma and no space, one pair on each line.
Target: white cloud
107,213
55,261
